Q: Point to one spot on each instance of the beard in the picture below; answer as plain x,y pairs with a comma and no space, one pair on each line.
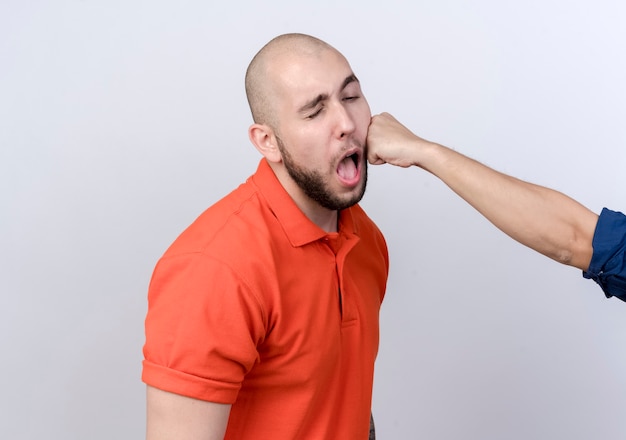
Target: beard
314,185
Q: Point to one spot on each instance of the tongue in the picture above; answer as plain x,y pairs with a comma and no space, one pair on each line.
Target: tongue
347,169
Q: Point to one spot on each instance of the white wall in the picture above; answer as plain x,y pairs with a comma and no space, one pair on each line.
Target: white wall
120,121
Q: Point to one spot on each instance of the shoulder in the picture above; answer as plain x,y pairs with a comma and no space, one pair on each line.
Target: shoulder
224,224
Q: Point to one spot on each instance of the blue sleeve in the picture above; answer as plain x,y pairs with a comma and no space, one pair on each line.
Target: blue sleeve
608,263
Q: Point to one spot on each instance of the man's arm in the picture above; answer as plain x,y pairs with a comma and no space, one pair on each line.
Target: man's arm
541,218
174,417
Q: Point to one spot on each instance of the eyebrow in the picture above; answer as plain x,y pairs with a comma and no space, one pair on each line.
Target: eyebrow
322,96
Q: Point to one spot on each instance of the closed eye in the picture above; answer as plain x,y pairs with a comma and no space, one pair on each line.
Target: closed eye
315,113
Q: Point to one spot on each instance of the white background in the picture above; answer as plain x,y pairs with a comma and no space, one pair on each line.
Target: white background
120,121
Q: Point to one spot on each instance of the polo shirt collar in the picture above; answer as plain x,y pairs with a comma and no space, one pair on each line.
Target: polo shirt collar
300,230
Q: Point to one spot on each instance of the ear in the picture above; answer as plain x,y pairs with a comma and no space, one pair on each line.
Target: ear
263,138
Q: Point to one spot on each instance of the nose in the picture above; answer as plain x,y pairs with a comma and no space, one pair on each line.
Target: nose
344,121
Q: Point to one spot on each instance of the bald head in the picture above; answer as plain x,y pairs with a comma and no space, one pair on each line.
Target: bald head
260,78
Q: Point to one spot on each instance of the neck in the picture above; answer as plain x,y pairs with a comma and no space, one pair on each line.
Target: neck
326,219
328,223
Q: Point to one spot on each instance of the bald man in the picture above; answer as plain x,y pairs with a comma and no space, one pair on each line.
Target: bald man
263,314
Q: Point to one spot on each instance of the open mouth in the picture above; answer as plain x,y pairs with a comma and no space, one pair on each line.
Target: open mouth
348,169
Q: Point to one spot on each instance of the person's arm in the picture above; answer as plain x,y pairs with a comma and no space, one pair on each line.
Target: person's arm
175,417
541,218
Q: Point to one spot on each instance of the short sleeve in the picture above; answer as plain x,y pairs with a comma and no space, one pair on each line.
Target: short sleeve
608,263
202,328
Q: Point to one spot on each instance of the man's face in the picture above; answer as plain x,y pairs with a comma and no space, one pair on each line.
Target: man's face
322,122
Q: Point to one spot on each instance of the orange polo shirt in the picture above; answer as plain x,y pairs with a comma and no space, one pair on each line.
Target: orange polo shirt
256,306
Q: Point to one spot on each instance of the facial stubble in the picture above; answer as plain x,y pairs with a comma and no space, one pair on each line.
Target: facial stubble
314,185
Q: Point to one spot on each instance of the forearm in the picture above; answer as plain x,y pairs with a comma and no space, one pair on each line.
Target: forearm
543,219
